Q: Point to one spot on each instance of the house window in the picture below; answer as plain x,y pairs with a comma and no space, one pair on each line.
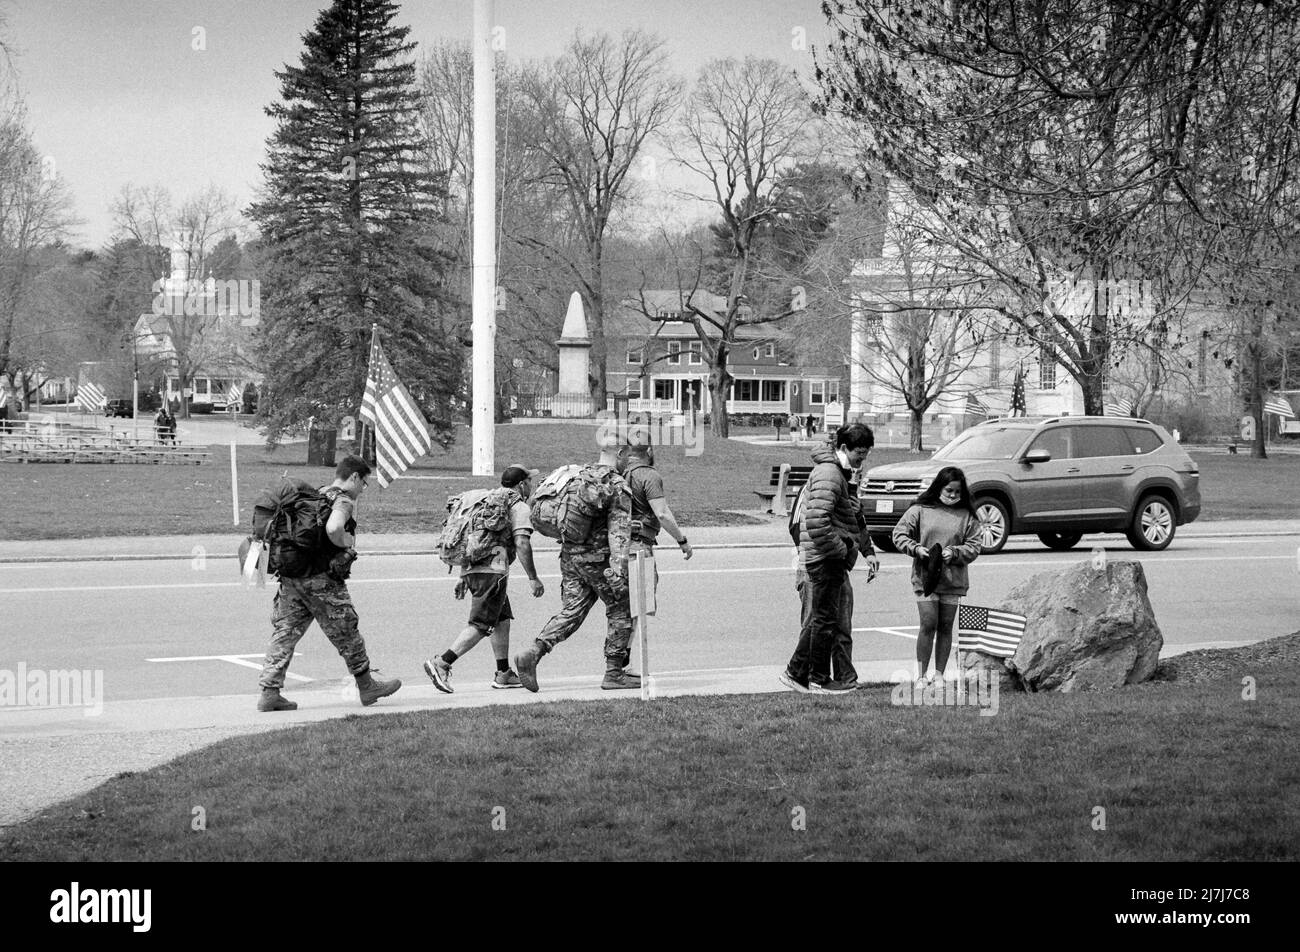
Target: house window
669,315
816,393
995,361
634,388
674,352
774,391
757,352
832,391
874,324
746,391
769,350
634,355
696,353
665,389
1046,369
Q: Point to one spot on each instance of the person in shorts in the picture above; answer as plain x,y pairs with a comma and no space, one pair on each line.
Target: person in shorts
489,610
941,532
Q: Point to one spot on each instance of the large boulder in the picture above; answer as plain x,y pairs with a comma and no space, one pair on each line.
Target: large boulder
1087,627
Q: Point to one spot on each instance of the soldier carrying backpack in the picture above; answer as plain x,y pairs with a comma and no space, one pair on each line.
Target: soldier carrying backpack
310,535
485,531
589,510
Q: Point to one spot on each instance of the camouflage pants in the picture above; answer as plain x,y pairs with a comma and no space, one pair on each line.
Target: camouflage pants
298,603
582,583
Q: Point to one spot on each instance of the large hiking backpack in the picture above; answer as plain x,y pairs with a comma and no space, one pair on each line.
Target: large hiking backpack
567,503
477,522
291,519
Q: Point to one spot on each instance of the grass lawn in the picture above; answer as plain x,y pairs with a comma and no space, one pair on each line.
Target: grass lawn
51,501
1184,770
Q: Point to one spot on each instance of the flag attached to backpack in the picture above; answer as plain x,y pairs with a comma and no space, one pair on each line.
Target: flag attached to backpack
291,519
478,522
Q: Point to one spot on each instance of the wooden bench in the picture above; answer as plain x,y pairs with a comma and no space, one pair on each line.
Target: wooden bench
784,485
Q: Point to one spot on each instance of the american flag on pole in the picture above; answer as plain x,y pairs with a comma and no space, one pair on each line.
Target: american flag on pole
989,630
1119,407
90,397
1273,403
401,433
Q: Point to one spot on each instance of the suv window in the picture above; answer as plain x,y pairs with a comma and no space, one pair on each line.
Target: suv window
1143,440
1056,441
1102,441
979,443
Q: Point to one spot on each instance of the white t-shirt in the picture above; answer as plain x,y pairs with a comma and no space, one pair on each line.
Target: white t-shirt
499,564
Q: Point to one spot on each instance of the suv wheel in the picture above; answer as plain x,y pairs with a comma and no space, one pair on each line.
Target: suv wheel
1153,524
995,524
1060,541
883,541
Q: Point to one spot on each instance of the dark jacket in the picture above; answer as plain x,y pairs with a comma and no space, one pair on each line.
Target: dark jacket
830,527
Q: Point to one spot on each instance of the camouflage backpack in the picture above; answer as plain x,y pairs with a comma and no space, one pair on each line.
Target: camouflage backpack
477,522
567,503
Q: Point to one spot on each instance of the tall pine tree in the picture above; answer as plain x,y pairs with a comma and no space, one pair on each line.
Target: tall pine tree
348,221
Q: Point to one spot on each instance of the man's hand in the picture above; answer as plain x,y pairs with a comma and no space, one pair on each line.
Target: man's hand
460,590
537,587
947,554
687,551
873,567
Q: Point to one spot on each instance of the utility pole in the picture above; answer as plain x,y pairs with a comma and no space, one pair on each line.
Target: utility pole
484,252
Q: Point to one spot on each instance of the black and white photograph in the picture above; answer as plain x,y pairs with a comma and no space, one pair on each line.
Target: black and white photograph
855,431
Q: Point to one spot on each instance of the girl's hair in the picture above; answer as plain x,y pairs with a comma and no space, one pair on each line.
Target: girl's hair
947,475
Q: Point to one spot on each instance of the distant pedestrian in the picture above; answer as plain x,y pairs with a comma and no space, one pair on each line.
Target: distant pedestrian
490,613
323,597
829,539
811,426
941,532
794,426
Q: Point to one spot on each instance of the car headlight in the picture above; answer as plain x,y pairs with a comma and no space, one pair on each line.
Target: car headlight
925,482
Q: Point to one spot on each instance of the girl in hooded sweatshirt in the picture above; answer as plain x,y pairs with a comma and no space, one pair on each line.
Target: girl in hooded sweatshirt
942,534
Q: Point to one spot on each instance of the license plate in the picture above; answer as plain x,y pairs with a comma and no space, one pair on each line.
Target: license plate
884,505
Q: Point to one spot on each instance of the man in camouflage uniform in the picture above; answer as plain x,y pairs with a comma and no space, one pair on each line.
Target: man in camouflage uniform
595,568
324,597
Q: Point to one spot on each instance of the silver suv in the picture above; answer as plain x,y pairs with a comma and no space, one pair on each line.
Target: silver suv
1056,477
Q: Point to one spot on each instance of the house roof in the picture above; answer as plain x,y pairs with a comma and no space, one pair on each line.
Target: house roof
627,320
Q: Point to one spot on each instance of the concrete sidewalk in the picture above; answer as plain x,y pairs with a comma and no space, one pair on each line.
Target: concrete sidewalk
770,534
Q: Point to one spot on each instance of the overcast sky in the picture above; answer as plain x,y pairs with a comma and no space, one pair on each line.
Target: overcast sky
117,94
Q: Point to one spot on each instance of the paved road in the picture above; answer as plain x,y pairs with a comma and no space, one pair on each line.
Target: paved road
727,608
726,626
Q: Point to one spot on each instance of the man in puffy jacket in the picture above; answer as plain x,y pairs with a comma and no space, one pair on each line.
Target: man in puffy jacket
828,548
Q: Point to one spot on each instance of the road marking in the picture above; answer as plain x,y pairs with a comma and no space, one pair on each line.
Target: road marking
239,659
995,564
896,631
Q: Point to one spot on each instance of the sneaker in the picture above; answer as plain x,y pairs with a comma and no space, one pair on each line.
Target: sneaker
504,679
830,687
371,689
789,681
526,665
273,700
439,673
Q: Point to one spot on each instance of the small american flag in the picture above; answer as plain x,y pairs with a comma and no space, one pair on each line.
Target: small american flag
1274,403
401,433
989,630
1119,407
90,397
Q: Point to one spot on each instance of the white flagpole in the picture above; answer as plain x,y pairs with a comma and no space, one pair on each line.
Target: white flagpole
484,251
639,617
234,484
